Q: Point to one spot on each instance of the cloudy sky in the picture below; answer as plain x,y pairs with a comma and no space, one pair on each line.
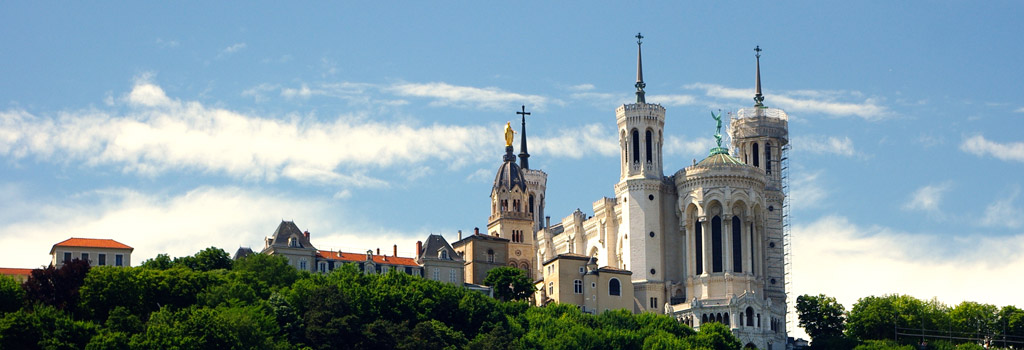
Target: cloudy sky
172,129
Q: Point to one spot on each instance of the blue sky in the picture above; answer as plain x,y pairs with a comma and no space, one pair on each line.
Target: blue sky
174,127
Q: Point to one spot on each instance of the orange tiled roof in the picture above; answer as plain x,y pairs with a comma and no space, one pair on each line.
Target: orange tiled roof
356,257
92,243
15,271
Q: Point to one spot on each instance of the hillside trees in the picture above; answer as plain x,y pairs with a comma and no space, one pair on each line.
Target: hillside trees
509,283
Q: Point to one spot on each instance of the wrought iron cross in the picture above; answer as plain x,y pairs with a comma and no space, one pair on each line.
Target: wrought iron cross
758,50
524,113
639,38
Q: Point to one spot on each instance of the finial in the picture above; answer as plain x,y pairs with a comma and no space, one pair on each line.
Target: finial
524,157
639,70
758,98
509,135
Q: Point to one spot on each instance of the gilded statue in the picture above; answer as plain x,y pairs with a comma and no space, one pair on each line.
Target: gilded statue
509,134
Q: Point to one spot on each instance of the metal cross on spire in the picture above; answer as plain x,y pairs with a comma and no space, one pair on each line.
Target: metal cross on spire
640,85
758,98
524,157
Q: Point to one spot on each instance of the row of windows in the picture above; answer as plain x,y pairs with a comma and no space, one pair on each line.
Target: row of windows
635,137
614,287
757,159
101,257
517,236
716,245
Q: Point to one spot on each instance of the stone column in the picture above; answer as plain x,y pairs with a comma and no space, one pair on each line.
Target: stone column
727,243
706,243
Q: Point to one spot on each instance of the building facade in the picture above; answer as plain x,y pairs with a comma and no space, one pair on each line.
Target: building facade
98,252
704,244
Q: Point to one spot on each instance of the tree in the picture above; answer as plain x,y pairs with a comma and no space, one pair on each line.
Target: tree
160,262
821,316
714,336
208,259
12,295
509,283
57,286
271,270
975,318
44,327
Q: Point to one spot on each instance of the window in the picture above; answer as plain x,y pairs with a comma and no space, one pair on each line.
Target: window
725,318
323,266
292,242
581,269
753,267
768,157
716,244
551,288
577,287
103,259
750,316
451,275
754,152
443,255
613,287
737,245
437,274
636,146
408,270
649,146
384,269
698,246
118,260
85,256
654,303
67,257
531,203
303,265
490,255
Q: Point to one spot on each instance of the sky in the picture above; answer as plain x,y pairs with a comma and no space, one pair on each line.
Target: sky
176,127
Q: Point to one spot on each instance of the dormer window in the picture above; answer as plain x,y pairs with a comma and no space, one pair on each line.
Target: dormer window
292,242
443,255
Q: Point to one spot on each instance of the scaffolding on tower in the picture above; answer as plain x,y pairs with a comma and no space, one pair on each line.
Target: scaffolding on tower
787,237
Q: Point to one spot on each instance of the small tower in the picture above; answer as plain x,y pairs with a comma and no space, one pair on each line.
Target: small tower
760,135
536,180
510,214
641,191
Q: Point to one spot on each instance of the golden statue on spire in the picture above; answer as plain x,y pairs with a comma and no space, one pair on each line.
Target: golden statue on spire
509,134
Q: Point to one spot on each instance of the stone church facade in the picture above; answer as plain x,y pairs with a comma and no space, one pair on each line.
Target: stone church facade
704,244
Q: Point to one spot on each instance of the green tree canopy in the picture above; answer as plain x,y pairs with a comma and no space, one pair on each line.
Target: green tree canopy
12,296
509,283
821,316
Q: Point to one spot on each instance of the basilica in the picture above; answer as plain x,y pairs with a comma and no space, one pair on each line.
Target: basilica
704,244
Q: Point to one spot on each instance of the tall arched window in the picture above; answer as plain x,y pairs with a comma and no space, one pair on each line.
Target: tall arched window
755,153
531,203
649,146
636,146
768,157
737,245
704,318
750,316
613,287
725,318
698,237
753,267
716,244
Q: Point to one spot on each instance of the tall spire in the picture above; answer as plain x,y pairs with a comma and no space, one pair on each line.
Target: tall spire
524,158
639,70
758,98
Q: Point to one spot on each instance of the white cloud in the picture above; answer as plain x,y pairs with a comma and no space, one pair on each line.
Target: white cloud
582,87
672,100
467,96
1004,213
819,101
576,142
163,134
927,198
840,259
233,48
980,146
182,224
1019,110
677,146
807,191
819,144
480,175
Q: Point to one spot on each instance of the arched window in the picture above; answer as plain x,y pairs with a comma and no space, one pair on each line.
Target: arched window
443,255
753,267
704,318
613,287
755,153
718,318
531,204
698,237
737,245
649,146
750,316
768,157
716,244
636,146
725,318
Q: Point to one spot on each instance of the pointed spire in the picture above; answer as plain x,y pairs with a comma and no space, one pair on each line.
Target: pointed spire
639,70
524,157
758,98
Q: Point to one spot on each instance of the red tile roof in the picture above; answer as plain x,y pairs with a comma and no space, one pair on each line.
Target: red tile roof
356,257
90,243
15,271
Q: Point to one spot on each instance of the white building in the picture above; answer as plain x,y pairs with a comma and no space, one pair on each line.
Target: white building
704,244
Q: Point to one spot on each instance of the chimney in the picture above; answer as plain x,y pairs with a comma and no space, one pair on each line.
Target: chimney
378,251
306,234
396,250
476,230
419,247
460,235
547,221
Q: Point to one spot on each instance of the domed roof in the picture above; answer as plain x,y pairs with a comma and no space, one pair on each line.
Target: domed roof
719,159
509,175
